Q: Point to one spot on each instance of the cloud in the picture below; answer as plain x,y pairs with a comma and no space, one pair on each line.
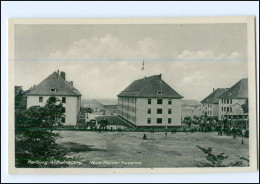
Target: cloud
108,47
193,80
206,54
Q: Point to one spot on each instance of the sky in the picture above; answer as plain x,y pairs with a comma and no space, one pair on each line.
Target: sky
102,60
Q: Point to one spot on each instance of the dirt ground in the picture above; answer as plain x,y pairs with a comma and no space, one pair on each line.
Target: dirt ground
128,149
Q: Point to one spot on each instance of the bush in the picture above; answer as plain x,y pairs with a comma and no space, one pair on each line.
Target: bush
218,160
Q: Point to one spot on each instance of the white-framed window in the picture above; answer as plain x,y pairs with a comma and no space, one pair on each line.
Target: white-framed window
53,90
40,99
169,101
63,99
169,120
169,111
159,92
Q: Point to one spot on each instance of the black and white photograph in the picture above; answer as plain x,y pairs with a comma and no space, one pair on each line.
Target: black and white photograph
164,93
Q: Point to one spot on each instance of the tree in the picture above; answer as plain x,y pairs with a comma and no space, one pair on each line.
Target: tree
220,159
34,136
245,107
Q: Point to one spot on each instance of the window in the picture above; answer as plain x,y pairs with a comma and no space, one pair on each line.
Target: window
159,120
159,101
149,111
159,111
169,120
63,99
159,92
148,120
169,102
169,111
230,109
227,109
208,105
149,101
230,101
222,108
53,90
63,110
227,101
40,99
63,119
222,100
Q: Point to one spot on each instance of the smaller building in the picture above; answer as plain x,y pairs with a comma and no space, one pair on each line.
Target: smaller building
57,85
110,109
210,105
230,102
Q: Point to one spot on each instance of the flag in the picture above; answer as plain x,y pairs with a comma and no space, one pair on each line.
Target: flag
143,66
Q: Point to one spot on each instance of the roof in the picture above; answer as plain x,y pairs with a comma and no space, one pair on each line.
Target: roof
148,87
237,91
110,106
213,97
63,87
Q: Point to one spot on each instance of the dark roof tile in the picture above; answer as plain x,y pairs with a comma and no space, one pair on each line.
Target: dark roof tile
237,91
148,87
213,97
63,87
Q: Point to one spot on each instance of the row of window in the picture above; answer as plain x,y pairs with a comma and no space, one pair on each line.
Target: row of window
226,101
159,111
159,120
63,99
130,100
159,101
208,112
128,108
209,105
226,109
127,116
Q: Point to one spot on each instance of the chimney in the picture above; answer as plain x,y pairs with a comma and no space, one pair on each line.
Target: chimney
62,74
71,82
213,89
160,76
58,71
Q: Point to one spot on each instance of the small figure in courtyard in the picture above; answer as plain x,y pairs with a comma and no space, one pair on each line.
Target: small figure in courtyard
144,137
165,134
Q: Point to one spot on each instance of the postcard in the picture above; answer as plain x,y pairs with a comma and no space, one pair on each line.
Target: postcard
132,95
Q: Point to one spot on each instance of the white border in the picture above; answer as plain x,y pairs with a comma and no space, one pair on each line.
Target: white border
102,9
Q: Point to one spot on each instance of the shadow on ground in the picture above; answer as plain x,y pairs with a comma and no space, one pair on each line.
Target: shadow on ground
77,147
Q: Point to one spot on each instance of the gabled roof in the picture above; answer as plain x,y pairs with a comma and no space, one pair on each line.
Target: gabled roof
213,97
149,87
63,87
238,91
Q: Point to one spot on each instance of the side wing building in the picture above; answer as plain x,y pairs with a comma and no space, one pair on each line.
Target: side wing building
210,105
231,101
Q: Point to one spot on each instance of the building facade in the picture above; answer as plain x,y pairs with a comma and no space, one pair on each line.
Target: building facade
150,102
56,85
231,101
210,105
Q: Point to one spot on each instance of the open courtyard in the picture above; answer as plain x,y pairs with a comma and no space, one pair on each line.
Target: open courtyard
128,149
